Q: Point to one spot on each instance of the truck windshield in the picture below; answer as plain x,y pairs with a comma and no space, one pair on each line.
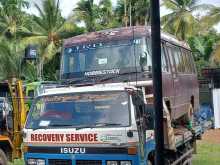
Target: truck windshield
96,109
106,57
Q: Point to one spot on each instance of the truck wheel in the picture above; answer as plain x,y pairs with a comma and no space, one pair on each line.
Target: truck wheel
3,158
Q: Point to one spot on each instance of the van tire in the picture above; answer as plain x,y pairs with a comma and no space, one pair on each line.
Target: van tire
3,158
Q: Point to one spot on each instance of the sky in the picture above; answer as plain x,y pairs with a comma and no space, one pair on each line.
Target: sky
67,6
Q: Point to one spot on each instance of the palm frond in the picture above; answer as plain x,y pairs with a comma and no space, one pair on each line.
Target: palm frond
38,40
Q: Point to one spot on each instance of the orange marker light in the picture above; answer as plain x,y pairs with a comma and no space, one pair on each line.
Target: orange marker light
132,150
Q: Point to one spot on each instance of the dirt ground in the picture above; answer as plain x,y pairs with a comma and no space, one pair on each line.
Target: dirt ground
212,136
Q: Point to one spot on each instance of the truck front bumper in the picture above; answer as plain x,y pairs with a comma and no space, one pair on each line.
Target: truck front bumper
81,159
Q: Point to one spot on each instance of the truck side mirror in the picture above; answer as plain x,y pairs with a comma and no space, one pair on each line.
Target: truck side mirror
149,116
140,108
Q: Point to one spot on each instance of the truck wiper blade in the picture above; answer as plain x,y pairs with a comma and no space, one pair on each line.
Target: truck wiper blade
107,124
86,126
53,125
60,125
117,75
41,127
96,125
79,80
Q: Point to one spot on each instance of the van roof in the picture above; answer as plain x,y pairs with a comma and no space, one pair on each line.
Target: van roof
120,33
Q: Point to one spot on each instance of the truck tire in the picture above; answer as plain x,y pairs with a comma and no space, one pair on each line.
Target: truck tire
3,158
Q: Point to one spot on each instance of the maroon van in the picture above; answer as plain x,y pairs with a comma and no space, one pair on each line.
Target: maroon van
123,55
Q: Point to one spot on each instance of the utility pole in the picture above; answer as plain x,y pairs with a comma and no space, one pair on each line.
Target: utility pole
157,80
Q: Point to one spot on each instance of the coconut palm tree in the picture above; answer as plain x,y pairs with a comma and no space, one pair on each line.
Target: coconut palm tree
138,11
10,61
106,15
12,17
95,16
87,12
211,19
12,65
181,22
12,20
48,29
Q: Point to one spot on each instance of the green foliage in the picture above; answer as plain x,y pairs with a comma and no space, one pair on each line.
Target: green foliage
94,16
181,22
10,62
48,30
202,47
140,12
212,18
52,68
12,20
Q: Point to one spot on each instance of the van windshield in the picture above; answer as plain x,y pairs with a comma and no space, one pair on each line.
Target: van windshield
96,109
106,57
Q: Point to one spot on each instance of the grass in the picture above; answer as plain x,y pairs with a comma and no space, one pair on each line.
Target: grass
208,154
18,162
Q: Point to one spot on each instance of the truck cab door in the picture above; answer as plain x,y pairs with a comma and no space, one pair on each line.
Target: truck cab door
139,105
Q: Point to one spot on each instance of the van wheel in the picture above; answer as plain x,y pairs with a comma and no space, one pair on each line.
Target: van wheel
3,158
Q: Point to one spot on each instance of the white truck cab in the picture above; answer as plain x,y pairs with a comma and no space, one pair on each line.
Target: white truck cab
76,124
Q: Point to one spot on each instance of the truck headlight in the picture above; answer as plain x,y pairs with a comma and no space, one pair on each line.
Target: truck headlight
112,162
36,162
125,163
41,162
31,162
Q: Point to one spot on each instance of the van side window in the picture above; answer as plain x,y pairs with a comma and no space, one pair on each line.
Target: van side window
178,59
182,62
187,61
163,59
192,62
170,54
164,63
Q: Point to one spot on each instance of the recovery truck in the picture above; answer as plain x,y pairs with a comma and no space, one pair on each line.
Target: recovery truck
103,114
12,119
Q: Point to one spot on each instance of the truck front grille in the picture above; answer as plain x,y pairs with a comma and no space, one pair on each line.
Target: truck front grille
88,162
60,162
